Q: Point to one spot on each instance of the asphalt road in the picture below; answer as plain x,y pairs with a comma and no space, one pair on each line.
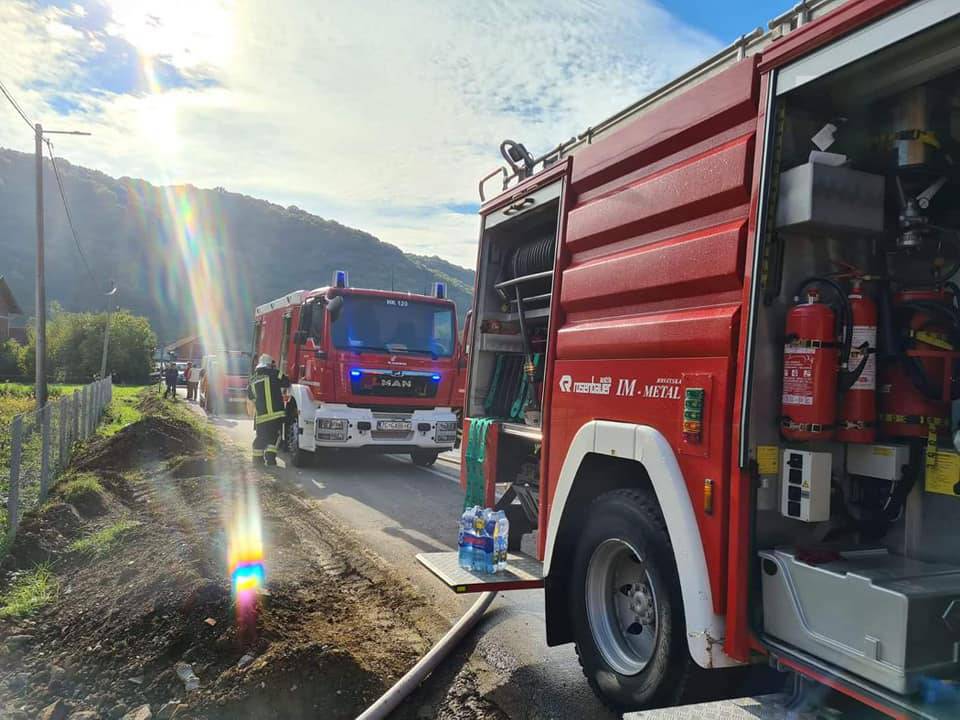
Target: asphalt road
398,510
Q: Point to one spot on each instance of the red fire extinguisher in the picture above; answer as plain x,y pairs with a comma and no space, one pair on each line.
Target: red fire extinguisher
810,370
857,420
915,395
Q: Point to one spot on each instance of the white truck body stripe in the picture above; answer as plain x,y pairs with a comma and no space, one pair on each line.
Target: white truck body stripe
705,629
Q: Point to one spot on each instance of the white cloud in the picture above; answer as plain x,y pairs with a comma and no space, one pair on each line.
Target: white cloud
372,111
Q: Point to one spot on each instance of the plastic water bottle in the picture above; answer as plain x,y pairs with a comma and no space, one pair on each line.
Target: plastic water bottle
477,540
490,541
464,546
503,540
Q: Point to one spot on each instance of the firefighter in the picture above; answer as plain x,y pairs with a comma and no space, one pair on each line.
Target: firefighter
264,391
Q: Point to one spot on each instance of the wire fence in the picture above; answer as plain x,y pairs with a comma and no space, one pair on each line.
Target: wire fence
41,443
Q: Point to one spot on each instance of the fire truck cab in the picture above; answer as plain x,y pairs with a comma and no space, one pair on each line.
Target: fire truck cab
713,369
368,368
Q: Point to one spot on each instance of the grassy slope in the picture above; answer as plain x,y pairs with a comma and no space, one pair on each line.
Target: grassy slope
16,398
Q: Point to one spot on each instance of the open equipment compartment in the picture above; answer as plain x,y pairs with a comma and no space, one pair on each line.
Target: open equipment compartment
510,331
852,382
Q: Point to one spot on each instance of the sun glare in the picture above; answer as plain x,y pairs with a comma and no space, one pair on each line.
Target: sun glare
157,115
189,33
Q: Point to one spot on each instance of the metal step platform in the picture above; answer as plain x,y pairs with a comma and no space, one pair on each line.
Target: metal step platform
522,573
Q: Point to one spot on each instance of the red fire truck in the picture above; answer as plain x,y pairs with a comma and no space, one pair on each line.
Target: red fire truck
368,368
714,343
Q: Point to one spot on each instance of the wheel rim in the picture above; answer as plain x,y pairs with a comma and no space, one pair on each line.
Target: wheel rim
622,606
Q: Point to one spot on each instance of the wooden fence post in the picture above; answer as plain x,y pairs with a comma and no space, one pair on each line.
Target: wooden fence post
13,497
44,451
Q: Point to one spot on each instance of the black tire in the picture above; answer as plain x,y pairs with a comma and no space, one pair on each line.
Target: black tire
424,458
627,524
298,456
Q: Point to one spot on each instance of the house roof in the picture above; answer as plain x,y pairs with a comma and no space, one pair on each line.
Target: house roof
181,342
8,303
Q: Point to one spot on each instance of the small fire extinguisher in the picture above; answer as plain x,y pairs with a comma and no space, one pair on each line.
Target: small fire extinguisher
811,363
857,419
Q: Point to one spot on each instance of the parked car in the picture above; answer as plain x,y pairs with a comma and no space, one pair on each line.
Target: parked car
181,373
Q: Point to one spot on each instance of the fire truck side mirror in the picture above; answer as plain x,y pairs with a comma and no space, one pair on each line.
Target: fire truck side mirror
334,306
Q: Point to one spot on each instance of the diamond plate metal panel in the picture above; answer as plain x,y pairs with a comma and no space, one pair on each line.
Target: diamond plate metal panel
764,707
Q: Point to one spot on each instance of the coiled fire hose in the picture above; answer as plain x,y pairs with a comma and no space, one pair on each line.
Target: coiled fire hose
389,701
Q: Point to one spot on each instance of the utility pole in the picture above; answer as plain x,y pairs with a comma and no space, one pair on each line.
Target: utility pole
41,295
106,336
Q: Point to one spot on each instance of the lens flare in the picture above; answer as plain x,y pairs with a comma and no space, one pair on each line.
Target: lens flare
245,557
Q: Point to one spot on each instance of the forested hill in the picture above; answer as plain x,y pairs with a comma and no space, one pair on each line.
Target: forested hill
244,251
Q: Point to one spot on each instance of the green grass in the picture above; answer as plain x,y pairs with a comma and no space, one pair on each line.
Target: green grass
123,410
74,487
30,592
100,542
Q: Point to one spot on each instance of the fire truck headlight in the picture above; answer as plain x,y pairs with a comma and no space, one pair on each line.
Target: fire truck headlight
446,431
332,429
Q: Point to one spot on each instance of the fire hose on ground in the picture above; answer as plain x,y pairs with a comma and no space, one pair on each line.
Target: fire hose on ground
419,672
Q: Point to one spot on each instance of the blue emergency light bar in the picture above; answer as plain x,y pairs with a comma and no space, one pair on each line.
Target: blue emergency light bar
355,373
340,278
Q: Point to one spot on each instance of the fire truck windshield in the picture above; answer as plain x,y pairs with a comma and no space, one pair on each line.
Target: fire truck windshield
394,325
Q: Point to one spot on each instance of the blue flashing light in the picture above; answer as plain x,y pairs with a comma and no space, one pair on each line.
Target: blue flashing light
435,378
355,373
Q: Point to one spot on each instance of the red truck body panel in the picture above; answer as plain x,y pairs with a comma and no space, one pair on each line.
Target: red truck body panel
652,282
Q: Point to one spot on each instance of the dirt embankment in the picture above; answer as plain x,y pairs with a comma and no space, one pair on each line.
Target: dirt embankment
137,548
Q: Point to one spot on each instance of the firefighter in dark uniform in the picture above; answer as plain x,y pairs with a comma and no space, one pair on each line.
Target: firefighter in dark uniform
264,391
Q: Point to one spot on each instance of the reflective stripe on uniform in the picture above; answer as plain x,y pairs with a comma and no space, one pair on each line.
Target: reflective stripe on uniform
267,418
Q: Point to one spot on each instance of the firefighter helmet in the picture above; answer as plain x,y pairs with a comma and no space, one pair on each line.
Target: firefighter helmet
265,361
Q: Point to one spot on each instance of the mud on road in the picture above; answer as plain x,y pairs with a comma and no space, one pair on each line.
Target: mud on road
333,628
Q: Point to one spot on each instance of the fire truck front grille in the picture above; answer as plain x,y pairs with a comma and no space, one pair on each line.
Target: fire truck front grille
388,385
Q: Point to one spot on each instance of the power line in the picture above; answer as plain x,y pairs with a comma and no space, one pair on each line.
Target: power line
66,208
16,106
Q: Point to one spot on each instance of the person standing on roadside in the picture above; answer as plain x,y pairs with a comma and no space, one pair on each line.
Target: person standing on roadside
170,378
193,381
266,392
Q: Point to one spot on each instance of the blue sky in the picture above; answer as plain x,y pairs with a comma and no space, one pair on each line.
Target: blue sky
726,20
382,115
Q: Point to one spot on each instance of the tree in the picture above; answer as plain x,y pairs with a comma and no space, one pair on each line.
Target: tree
11,355
75,347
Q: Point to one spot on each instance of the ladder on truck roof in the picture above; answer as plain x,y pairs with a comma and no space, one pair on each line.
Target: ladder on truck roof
751,43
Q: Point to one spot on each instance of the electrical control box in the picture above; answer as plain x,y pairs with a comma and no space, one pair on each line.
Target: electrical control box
883,462
805,485
818,197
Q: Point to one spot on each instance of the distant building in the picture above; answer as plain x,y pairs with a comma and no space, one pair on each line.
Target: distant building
187,348
13,323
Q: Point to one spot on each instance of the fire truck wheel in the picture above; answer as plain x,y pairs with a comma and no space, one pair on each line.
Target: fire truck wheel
625,604
298,456
424,458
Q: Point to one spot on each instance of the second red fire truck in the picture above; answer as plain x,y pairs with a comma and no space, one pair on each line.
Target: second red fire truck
713,359
369,369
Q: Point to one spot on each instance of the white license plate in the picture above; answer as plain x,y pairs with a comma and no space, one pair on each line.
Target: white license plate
393,425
